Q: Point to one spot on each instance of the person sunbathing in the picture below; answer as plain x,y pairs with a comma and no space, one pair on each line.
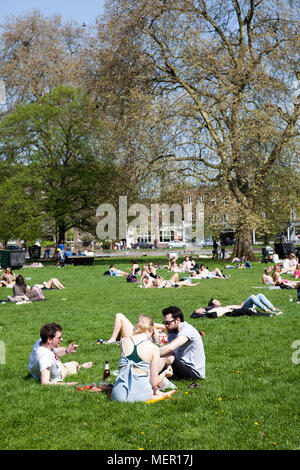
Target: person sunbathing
34,265
204,273
284,283
53,283
113,271
152,270
24,293
135,269
215,309
297,271
173,282
266,277
8,278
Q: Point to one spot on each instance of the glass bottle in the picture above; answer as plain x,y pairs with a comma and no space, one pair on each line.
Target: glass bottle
106,372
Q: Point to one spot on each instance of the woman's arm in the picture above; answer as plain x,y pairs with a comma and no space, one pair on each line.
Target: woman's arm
155,377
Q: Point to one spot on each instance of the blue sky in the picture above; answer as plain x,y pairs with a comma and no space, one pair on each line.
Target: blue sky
82,11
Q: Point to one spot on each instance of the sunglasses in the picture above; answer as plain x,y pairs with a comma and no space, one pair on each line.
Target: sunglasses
167,323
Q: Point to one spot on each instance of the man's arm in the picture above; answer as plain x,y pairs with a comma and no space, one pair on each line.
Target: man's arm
45,379
72,348
170,347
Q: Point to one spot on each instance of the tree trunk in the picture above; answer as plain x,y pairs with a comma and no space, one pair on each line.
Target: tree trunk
243,244
61,233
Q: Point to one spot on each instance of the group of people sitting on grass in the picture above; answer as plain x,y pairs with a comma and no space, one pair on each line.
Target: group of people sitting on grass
23,293
272,277
143,366
150,278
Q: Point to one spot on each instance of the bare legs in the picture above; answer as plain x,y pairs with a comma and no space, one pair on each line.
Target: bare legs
122,328
54,282
175,279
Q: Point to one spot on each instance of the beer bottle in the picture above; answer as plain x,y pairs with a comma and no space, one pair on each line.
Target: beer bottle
106,373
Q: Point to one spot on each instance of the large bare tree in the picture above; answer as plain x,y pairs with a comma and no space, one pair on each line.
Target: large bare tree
222,75
37,54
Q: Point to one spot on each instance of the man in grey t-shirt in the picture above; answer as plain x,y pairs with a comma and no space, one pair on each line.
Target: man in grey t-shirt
184,350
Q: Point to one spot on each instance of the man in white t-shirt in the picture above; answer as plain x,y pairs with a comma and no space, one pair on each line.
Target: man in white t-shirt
44,362
184,350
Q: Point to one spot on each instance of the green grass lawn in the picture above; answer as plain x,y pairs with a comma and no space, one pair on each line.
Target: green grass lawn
249,399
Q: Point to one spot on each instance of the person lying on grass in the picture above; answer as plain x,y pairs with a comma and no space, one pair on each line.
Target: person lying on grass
204,273
113,271
44,364
33,265
216,310
53,283
173,282
138,376
184,350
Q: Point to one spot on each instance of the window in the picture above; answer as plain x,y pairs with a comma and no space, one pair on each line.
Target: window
293,214
224,218
190,200
200,199
166,235
145,238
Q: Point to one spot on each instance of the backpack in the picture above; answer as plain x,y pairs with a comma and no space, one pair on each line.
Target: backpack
107,273
131,278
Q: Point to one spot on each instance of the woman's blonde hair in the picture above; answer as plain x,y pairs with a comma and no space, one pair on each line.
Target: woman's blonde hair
276,270
143,325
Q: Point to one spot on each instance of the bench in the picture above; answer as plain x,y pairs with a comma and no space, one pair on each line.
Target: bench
80,260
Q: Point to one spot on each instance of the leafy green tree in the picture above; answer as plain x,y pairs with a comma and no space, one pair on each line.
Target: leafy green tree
20,211
60,139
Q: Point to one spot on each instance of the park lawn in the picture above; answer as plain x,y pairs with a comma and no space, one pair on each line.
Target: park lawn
249,399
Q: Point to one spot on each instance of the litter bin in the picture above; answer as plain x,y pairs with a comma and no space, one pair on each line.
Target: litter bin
266,253
34,252
14,258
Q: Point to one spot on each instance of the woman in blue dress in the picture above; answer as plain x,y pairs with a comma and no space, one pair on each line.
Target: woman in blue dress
138,374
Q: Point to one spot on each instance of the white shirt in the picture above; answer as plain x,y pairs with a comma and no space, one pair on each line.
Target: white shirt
41,358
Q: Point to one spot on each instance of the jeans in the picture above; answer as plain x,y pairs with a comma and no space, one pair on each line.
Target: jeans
259,301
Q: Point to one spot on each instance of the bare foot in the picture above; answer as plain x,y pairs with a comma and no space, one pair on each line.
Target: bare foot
159,394
86,365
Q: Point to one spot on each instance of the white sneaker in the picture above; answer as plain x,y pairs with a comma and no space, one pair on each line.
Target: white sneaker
166,384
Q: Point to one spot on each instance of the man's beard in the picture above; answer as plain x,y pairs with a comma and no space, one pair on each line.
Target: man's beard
174,330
